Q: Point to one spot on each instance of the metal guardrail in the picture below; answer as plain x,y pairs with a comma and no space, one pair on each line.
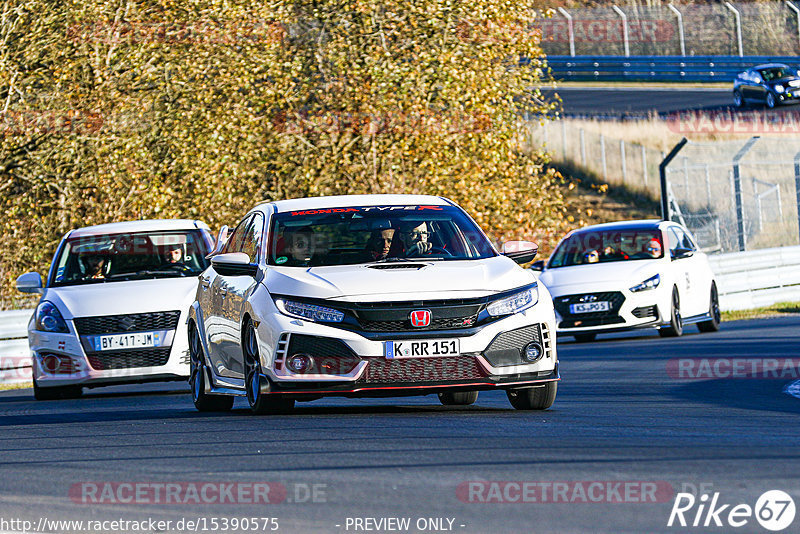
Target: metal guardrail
757,278
15,361
658,68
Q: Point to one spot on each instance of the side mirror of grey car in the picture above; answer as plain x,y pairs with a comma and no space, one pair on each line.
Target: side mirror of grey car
30,283
520,251
234,264
222,238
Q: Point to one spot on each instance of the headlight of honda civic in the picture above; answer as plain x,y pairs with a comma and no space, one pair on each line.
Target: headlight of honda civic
310,312
49,319
515,303
650,283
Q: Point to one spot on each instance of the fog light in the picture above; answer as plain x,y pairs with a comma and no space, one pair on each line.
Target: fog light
300,363
51,363
533,352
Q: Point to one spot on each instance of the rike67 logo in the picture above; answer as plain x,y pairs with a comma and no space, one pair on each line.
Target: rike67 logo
774,510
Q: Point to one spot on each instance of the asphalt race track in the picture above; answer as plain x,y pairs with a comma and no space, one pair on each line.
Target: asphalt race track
619,417
621,101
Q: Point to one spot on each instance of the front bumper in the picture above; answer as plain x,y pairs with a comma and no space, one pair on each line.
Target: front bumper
629,311
75,368
357,365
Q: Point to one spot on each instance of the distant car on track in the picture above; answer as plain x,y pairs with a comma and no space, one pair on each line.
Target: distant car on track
113,308
771,84
369,295
627,275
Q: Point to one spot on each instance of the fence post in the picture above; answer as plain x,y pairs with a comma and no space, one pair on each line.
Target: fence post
644,165
680,27
758,205
624,18
603,156
738,18
583,148
570,30
797,12
797,187
544,131
564,138
686,177
622,157
737,191
708,185
662,171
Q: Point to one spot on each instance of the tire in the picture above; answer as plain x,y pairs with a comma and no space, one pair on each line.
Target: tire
458,398
712,325
585,338
770,101
533,398
197,378
738,101
56,393
259,402
675,327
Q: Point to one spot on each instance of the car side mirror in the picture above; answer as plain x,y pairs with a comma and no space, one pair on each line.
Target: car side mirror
680,253
30,283
222,238
520,251
537,266
234,264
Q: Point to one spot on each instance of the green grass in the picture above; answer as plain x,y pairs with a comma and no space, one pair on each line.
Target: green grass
775,310
6,387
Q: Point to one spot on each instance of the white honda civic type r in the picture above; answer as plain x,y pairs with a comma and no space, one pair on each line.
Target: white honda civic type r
627,275
369,295
113,308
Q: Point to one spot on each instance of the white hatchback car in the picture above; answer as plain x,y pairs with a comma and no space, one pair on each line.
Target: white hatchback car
114,307
626,275
373,295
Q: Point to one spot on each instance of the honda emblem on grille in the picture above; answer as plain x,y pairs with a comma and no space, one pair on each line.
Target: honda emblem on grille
127,323
420,318
589,298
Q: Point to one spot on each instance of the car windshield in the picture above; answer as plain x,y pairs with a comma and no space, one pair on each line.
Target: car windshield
351,235
604,246
777,73
131,256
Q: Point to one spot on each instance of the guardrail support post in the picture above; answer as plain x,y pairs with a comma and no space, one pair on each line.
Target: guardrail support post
583,148
662,171
738,18
737,191
622,158
797,12
570,30
624,18
797,188
644,165
680,27
603,156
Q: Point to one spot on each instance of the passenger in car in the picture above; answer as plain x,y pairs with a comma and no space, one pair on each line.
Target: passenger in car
300,246
379,244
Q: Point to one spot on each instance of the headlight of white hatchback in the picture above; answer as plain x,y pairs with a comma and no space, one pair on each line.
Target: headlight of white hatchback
49,319
515,303
650,283
310,312
779,89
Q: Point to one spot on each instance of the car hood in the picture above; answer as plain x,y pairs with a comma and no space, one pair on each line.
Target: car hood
134,296
435,280
625,273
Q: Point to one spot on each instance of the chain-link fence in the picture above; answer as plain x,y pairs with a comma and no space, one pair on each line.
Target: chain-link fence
615,161
737,195
693,29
